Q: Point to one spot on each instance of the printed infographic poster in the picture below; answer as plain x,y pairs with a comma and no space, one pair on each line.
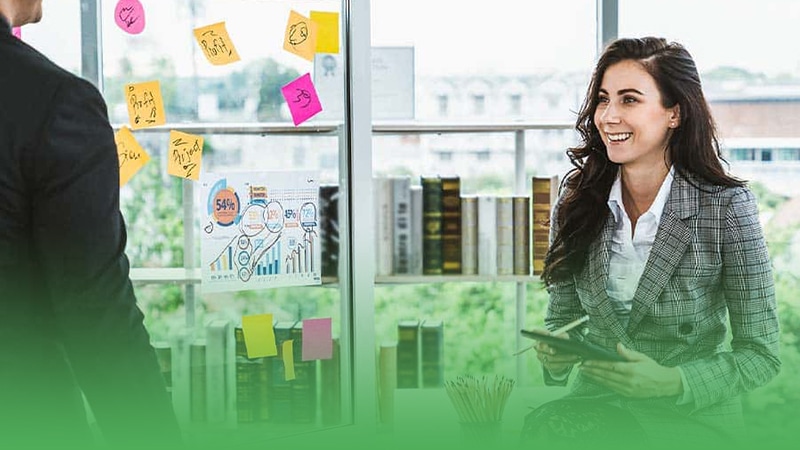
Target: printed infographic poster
260,230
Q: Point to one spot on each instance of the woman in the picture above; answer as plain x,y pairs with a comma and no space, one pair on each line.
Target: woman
677,250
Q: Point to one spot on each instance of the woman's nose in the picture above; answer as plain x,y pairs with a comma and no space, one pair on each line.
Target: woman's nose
610,114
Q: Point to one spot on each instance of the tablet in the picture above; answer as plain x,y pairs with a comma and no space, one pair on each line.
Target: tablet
585,350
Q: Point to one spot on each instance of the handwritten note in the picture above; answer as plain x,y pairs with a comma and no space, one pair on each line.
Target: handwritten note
301,36
317,339
145,104
185,155
259,337
129,16
132,156
17,32
216,44
327,31
287,349
302,99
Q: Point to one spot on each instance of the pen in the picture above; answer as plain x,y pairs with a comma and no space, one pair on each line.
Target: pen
563,329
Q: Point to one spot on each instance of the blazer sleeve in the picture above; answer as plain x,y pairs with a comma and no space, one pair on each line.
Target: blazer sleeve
750,296
79,237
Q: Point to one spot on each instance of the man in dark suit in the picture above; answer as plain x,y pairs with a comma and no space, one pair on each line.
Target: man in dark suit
69,325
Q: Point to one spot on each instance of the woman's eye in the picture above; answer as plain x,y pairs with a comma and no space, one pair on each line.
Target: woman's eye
628,100
602,100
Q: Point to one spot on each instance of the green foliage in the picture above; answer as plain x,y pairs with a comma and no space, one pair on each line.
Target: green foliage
270,77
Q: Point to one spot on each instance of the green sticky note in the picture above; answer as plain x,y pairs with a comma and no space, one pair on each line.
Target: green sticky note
259,337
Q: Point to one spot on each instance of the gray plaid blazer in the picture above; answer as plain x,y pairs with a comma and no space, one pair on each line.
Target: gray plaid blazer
709,263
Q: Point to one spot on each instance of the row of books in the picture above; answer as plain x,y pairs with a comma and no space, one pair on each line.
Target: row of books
212,381
420,354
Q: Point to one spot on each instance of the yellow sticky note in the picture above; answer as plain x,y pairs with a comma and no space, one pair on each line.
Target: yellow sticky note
216,44
145,104
185,155
287,348
301,36
327,31
132,156
259,337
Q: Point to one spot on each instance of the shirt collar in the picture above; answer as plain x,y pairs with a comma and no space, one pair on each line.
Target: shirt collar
615,197
5,27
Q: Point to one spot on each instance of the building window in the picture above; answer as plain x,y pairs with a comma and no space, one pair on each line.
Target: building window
515,101
445,156
479,104
766,154
788,154
483,155
743,154
443,101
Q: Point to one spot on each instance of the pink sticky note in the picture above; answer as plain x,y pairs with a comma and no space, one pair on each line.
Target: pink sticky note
302,99
129,15
17,32
317,340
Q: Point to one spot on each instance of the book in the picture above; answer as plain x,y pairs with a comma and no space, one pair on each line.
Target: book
181,376
432,354
451,225
220,373
522,243
431,225
408,354
469,235
387,381
329,229
331,387
505,236
280,391
304,386
545,192
384,226
164,358
487,235
197,380
252,383
416,231
401,214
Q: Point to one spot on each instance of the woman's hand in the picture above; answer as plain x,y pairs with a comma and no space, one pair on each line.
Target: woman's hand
556,362
639,377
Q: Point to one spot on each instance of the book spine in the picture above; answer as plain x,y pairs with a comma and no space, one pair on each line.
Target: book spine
331,387
387,381
329,229
384,226
181,377
432,337
469,235
416,231
401,197
543,196
432,225
304,386
164,357
408,354
487,235
505,236
246,381
219,361
197,380
522,243
280,392
451,225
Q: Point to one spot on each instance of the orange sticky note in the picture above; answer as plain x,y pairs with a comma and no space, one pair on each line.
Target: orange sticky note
259,337
185,155
216,44
301,36
132,156
327,31
145,104
287,348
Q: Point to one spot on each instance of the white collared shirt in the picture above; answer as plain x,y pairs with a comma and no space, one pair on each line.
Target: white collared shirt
629,249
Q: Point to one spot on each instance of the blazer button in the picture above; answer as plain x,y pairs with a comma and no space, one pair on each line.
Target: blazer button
686,328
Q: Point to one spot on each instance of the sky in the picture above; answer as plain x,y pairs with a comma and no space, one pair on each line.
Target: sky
451,36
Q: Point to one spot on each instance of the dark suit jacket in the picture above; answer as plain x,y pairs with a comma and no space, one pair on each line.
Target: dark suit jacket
68,315
708,263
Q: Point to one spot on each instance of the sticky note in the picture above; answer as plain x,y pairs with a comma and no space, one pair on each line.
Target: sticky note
301,36
17,32
287,349
145,104
259,337
216,44
129,16
317,339
185,155
327,31
132,156
302,99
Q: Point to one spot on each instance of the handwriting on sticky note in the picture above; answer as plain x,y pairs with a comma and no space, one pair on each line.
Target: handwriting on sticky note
129,16
317,339
145,104
259,337
327,31
287,349
301,36
302,99
17,32
216,44
132,156
185,155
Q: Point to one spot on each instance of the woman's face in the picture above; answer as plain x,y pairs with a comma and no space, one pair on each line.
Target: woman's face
630,118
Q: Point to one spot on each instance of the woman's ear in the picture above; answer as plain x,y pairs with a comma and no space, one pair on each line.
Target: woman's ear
675,116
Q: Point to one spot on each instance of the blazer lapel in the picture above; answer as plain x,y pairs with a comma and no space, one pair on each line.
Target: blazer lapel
671,241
